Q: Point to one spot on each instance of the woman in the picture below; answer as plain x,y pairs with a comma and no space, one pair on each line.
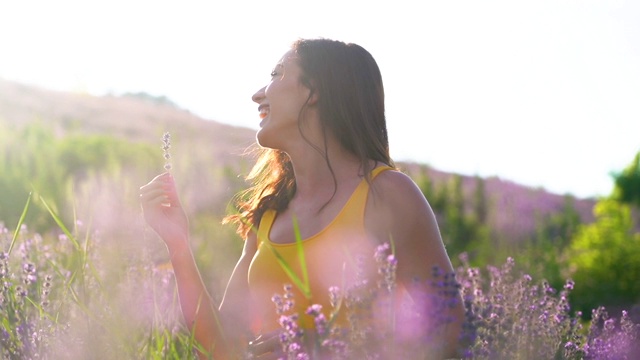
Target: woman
325,177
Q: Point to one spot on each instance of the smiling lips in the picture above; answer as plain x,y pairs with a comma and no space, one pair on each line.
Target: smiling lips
264,111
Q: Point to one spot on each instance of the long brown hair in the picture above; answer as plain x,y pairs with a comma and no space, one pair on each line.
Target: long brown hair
348,84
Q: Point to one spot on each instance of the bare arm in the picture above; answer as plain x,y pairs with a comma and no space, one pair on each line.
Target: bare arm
198,310
164,213
236,306
397,211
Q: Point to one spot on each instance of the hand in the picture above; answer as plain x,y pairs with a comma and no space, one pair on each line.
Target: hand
163,211
266,347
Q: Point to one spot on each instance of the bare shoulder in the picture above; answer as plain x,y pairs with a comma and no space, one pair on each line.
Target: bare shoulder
396,205
397,211
396,191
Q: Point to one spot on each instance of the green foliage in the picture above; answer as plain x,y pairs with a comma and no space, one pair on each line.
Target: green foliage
215,246
66,297
27,161
480,203
33,158
458,227
29,302
543,256
627,183
81,155
462,221
605,259
602,257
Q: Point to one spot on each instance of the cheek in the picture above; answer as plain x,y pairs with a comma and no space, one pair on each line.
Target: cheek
270,89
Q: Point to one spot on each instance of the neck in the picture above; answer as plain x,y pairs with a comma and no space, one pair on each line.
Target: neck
314,177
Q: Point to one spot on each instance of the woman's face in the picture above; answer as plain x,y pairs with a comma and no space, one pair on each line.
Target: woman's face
280,104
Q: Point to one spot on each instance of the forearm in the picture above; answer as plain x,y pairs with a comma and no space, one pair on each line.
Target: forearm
164,213
200,314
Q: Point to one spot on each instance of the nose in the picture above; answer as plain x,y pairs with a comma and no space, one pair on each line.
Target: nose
258,96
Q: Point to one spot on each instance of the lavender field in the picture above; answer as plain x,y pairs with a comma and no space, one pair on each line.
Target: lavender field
543,276
70,297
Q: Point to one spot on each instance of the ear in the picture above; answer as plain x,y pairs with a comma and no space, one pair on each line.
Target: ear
313,97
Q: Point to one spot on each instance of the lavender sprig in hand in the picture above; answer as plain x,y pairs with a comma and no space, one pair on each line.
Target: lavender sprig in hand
166,145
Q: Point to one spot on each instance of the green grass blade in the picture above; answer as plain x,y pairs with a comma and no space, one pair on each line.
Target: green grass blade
8,328
301,259
20,222
302,286
41,311
58,221
86,263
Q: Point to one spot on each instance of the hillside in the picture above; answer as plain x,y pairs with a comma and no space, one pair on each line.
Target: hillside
131,117
206,143
514,209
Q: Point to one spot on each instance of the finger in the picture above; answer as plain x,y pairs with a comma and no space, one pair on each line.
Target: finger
173,199
162,186
154,203
154,196
167,183
149,192
164,178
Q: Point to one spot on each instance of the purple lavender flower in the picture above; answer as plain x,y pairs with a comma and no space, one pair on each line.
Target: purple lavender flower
166,145
320,321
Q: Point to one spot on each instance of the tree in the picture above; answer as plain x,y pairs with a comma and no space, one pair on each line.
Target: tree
544,254
605,259
627,183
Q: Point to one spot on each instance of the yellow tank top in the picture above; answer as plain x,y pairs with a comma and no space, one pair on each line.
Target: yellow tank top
330,258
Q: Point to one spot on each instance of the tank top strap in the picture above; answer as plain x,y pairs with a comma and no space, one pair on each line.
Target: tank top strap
378,170
353,212
358,200
265,225
362,190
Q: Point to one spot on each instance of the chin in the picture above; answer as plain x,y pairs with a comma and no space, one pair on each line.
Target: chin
262,138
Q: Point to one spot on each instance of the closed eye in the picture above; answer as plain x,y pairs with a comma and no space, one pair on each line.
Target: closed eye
274,72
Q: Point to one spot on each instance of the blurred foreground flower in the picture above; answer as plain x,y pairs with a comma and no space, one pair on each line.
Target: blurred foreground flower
508,316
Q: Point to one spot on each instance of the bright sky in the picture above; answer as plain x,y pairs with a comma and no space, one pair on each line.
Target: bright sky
543,93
